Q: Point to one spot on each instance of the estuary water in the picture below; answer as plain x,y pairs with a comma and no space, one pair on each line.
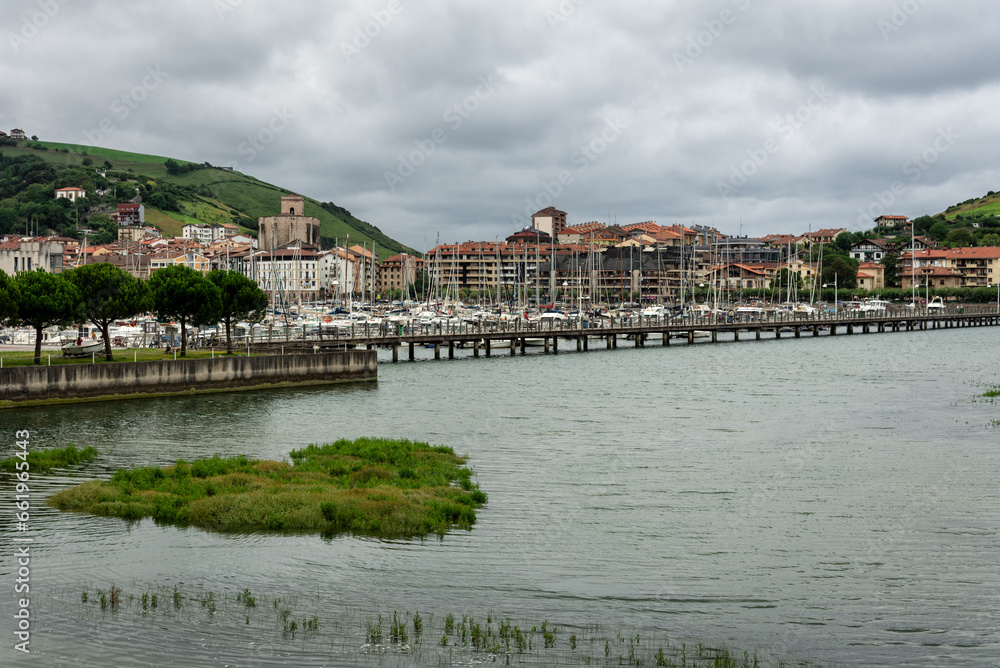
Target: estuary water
832,499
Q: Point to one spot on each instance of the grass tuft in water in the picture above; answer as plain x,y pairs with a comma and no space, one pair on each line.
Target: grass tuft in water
44,461
344,487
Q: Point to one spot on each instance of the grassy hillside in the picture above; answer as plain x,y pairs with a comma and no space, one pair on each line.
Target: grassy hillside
233,194
988,205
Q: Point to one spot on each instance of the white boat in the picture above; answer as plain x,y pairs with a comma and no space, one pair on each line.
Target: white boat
82,347
936,304
873,306
804,309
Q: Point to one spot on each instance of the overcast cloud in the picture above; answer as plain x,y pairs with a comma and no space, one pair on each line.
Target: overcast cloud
456,118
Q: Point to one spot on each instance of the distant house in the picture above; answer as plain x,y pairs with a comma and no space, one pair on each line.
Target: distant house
891,222
871,250
825,236
17,134
72,194
3,135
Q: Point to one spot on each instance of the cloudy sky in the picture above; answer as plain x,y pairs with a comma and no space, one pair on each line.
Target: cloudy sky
456,119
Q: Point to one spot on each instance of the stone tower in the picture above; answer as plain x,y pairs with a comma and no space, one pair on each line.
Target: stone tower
289,228
293,205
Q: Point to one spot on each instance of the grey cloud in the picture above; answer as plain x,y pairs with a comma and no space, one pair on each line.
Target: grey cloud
567,67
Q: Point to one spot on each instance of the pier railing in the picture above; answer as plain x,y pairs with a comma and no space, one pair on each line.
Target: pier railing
401,331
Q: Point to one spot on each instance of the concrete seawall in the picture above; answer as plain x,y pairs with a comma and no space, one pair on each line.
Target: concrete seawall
22,386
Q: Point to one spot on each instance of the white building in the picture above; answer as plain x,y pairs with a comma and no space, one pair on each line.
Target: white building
72,194
203,234
338,272
287,274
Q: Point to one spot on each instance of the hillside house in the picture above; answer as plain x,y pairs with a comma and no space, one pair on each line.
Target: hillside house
72,193
871,250
887,222
17,134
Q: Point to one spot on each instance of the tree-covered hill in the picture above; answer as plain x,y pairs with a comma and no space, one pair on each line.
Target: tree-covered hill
173,192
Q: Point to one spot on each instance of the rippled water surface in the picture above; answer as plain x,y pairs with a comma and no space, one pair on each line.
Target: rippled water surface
834,499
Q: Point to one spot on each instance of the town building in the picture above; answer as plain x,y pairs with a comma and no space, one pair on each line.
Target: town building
871,276
550,220
287,275
399,272
19,254
975,266
129,213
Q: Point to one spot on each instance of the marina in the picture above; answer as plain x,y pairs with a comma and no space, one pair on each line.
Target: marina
580,334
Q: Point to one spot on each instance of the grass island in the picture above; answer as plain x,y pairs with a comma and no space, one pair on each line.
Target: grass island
368,486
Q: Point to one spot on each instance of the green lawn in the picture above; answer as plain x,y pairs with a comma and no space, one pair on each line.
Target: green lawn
54,357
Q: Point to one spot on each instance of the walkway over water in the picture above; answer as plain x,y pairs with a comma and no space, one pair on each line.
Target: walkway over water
520,334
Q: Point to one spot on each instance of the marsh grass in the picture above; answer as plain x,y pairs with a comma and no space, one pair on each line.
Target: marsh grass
372,487
44,461
309,625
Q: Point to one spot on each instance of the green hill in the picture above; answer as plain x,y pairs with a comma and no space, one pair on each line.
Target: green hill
975,208
196,192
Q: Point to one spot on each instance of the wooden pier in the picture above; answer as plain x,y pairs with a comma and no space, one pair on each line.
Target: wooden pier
516,336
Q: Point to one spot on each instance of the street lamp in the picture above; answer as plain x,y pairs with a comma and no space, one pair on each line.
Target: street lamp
836,303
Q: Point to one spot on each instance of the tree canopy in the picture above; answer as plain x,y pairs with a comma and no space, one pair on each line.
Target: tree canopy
841,271
44,300
242,299
109,294
890,262
185,295
8,299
